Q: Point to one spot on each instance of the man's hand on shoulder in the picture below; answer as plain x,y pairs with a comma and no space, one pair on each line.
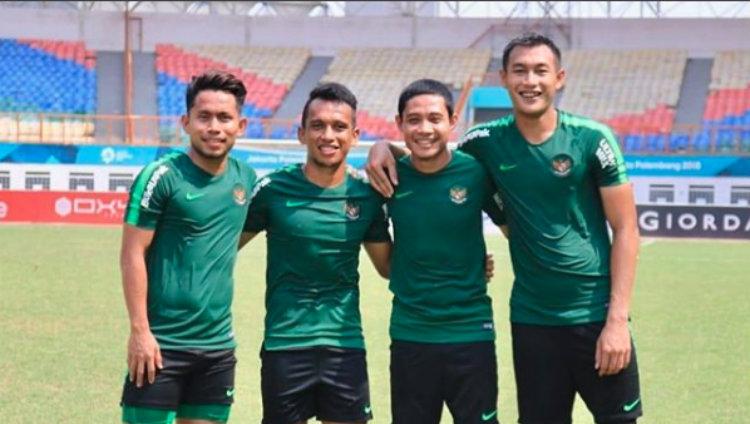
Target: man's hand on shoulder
381,168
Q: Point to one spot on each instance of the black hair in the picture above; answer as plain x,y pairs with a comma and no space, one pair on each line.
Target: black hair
425,86
531,39
215,80
332,92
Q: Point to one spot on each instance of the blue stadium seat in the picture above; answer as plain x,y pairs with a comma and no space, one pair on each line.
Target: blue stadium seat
655,142
632,142
702,141
725,140
679,142
745,140
33,80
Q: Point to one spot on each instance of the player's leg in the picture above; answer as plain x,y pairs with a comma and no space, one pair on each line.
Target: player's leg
470,383
611,399
288,379
209,390
544,382
416,382
158,402
343,394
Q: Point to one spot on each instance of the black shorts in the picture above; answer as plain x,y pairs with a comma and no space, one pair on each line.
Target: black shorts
324,382
553,363
424,375
190,377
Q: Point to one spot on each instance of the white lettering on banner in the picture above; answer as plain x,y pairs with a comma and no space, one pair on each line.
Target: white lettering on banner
152,185
89,206
709,222
3,210
63,206
652,221
731,222
687,221
110,155
649,221
651,165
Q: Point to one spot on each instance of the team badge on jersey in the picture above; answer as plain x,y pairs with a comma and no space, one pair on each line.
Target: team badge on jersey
239,194
561,165
351,210
458,194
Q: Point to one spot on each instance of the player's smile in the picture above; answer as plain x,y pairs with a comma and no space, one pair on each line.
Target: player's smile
328,149
533,77
328,133
426,127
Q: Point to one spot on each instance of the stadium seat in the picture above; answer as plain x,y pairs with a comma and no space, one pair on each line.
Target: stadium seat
267,73
49,77
377,76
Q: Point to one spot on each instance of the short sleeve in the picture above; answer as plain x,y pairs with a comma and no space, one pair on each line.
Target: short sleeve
607,160
257,213
149,196
469,142
493,204
378,229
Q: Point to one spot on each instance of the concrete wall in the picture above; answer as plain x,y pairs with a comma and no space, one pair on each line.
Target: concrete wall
105,31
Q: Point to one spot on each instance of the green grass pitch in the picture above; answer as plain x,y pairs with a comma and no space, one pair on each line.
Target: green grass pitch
63,329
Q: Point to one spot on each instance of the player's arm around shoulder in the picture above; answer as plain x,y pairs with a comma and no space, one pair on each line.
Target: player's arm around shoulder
614,345
380,256
381,166
257,213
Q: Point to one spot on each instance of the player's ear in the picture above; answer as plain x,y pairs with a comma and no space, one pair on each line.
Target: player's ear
356,136
301,134
398,120
503,78
453,120
185,120
561,75
242,125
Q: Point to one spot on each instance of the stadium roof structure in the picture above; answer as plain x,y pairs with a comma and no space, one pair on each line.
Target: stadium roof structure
448,9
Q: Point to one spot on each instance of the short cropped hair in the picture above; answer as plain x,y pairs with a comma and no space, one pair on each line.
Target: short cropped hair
425,86
215,81
332,92
531,39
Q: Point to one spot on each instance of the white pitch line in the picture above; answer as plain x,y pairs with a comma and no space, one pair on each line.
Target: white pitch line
648,242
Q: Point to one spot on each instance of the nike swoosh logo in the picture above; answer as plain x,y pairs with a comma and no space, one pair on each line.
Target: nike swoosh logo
489,416
404,194
506,168
193,196
296,203
368,409
629,406
230,392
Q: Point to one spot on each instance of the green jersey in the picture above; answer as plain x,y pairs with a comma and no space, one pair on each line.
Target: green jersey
438,261
197,218
314,236
559,242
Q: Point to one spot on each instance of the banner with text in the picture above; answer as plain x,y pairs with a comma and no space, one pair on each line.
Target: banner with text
694,221
72,207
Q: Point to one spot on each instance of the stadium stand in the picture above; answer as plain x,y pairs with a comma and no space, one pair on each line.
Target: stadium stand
377,76
635,92
46,86
268,74
726,120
